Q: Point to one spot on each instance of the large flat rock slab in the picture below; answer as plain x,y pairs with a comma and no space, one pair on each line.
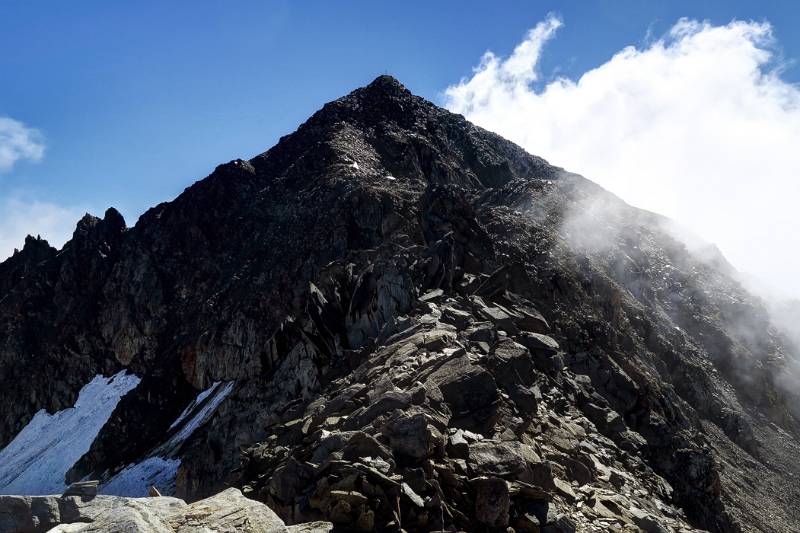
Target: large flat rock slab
227,512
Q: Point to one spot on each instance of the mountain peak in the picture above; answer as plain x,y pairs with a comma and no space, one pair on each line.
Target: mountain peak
388,85
382,129
383,99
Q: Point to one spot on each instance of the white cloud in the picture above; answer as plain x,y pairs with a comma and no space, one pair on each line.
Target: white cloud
698,125
18,142
20,217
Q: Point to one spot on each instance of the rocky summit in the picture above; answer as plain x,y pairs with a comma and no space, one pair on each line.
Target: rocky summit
391,320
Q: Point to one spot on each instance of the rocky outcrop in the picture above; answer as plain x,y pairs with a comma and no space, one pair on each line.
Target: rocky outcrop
418,325
24,262
228,511
444,426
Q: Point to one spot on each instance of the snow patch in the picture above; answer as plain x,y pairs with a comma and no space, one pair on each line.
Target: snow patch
161,467
135,480
203,411
197,401
38,458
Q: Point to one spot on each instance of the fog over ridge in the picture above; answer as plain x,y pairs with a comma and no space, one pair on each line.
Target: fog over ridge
698,126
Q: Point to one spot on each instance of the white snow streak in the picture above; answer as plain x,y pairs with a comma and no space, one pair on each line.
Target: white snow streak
134,480
197,401
38,458
216,394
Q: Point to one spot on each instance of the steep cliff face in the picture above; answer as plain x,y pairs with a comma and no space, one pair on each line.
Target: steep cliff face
394,318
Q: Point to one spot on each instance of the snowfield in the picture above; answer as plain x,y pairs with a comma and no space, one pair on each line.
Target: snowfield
38,458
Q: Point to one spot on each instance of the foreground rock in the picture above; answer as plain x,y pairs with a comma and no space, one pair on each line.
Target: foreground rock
228,511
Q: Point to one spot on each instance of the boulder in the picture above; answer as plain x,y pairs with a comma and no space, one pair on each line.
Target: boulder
466,387
28,514
608,421
310,527
482,332
537,343
412,436
577,470
289,479
361,445
34,514
501,317
386,403
434,295
228,511
128,514
531,320
509,460
492,501
86,489
457,445
456,317
511,363
526,398
528,318
646,521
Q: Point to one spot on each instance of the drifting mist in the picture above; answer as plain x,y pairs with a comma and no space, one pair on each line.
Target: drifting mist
698,126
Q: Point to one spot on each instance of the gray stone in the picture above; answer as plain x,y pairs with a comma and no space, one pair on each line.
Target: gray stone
389,401
508,460
456,317
411,436
310,527
492,501
227,512
512,363
82,488
432,296
112,513
482,332
646,521
531,320
457,445
16,515
538,343
466,387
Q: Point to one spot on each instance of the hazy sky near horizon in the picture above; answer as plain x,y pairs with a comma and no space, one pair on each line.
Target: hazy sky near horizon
125,104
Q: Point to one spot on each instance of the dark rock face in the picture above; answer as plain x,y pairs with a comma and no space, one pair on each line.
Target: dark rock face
421,336
24,262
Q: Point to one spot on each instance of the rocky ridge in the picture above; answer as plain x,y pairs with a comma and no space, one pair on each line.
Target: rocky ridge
423,327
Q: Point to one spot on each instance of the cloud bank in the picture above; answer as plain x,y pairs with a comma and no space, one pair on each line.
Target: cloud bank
698,126
18,142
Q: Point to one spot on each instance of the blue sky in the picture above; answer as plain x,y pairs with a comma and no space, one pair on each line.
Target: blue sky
136,100
133,101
